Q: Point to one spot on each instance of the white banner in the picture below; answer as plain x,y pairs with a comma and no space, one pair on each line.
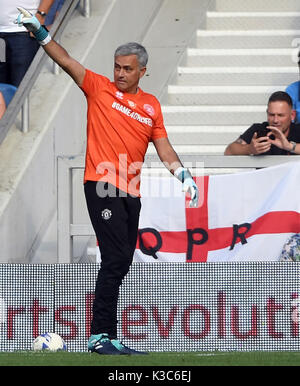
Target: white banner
163,307
247,216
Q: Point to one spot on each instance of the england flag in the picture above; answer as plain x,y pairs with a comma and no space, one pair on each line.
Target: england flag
246,216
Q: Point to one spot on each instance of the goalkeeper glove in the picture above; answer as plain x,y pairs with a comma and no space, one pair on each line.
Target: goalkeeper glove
31,23
188,185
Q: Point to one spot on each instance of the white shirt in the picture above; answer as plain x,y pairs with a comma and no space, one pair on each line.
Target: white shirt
9,13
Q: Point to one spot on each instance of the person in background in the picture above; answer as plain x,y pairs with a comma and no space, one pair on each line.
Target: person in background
278,136
2,105
20,45
53,13
294,92
7,92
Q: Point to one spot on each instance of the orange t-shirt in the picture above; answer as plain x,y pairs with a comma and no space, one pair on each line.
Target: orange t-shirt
119,128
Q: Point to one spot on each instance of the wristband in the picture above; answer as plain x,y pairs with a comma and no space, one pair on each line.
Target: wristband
294,144
182,174
42,35
46,40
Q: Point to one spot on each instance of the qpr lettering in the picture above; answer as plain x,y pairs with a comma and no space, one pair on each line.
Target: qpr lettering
193,239
239,233
145,248
150,240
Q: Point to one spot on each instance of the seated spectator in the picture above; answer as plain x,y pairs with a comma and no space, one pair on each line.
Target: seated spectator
291,249
7,91
53,13
294,92
21,46
278,136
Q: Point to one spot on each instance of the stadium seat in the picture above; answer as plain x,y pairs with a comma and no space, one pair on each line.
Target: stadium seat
8,92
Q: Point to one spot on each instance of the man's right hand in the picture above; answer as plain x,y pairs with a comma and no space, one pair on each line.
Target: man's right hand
26,19
259,145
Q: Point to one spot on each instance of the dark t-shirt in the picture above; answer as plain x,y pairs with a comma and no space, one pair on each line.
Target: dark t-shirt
294,135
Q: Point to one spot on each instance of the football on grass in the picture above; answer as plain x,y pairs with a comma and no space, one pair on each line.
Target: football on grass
50,342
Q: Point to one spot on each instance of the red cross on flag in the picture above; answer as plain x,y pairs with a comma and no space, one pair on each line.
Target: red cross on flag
246,216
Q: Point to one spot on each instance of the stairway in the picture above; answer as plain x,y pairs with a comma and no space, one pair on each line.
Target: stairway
247,51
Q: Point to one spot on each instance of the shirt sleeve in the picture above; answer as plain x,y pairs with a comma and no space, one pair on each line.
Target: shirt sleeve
159,130
93,83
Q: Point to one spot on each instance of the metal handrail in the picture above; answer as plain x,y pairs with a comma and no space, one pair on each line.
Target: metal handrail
21,97
221,161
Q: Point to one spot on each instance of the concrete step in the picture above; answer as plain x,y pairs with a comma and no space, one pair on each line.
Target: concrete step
248,39
252,20
204,135
192,149
214,115
239,76
257,5
220,95
266,57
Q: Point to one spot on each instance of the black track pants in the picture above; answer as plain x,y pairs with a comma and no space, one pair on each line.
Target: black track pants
115,221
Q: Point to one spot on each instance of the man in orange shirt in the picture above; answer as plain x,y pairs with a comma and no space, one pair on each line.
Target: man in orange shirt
121,121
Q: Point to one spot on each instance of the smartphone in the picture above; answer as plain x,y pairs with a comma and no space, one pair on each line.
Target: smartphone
262,132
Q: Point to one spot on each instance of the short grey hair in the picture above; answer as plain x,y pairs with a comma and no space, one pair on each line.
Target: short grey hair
133,48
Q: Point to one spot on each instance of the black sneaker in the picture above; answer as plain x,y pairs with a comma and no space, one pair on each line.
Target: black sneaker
124,349
102,345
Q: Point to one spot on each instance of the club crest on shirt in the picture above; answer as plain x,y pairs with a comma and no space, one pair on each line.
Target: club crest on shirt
132,104
149,109
106,214
119,94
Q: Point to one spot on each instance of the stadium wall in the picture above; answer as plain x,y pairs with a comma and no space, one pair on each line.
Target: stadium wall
28,163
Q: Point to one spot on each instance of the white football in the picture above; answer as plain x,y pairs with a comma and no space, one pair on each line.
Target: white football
49,341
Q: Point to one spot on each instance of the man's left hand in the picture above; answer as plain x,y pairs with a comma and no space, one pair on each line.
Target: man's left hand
190,186
280,140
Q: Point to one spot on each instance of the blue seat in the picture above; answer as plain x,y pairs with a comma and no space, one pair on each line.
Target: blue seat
8,91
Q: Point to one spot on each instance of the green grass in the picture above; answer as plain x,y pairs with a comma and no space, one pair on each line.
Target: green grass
29,358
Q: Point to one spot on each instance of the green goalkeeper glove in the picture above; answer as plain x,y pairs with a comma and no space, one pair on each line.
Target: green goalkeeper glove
31,23
188,185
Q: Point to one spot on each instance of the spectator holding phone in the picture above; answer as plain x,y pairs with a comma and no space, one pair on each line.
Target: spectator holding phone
278,136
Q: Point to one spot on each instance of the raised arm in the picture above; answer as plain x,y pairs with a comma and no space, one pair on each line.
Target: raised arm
55,51
65,61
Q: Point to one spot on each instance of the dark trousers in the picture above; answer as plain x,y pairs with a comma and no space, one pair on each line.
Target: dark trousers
115,221
20,50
